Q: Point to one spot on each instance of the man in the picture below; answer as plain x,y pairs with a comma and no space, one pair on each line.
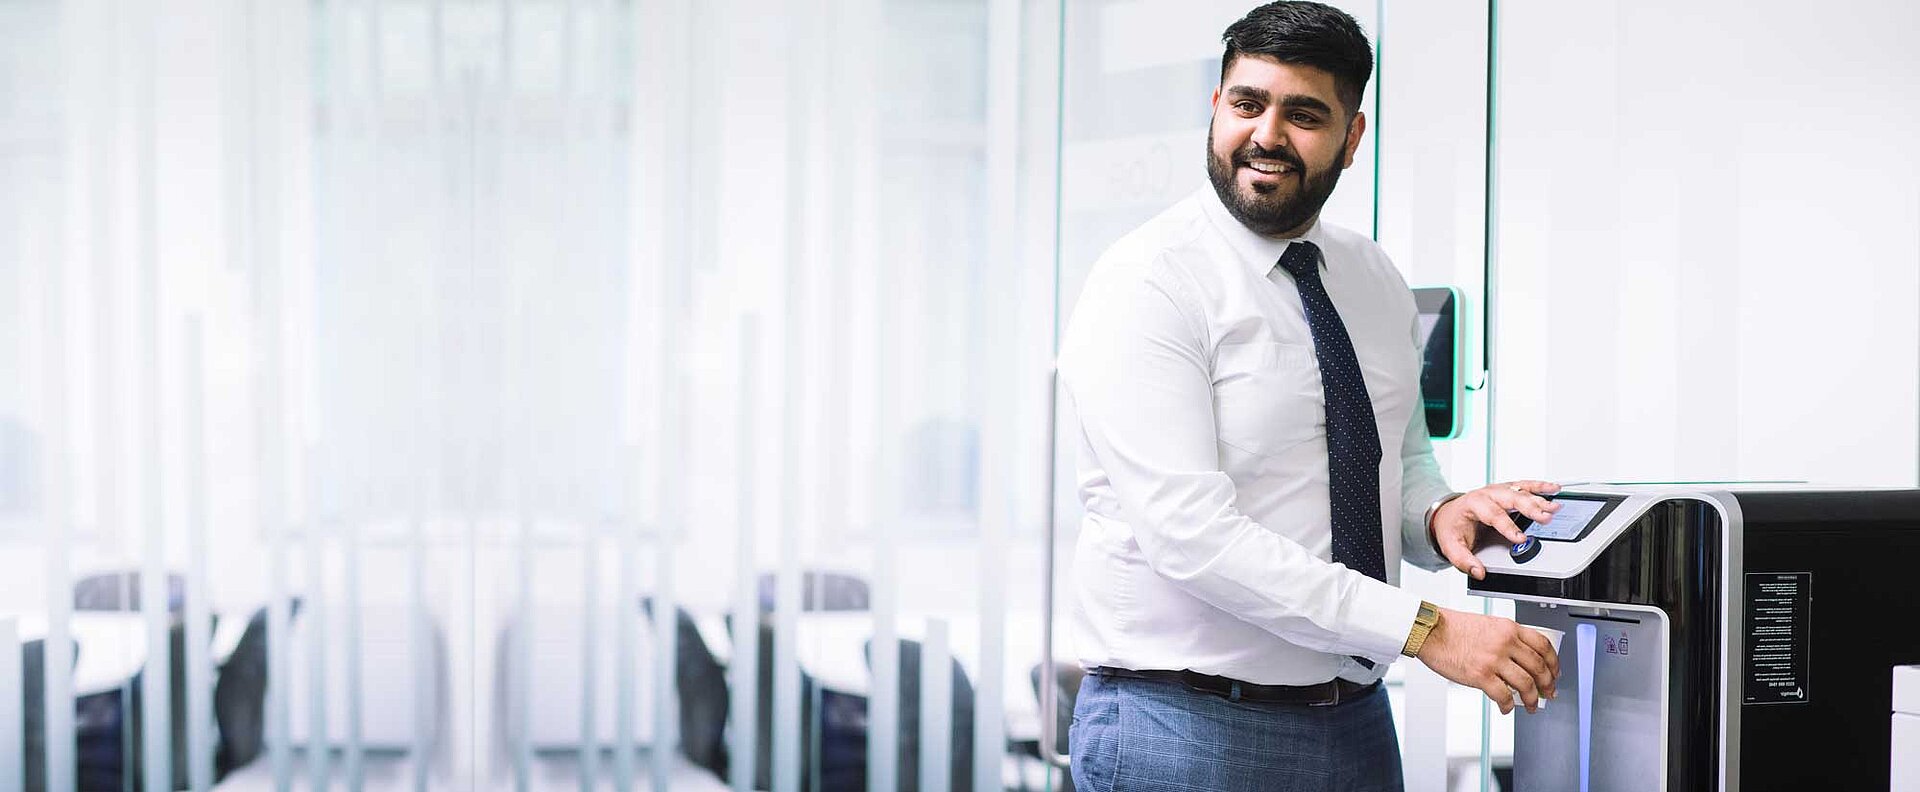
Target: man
1253,463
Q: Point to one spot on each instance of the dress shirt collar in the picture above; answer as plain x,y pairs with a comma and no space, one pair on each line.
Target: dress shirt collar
1258,253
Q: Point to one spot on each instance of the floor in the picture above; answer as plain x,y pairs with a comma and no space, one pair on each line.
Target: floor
548,773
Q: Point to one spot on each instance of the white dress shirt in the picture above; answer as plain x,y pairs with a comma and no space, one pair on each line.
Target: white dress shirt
1203,455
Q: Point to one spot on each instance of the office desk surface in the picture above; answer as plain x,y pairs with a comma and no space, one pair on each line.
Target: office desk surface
831,648
110,647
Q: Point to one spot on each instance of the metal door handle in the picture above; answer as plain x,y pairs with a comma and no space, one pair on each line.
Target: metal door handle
1049,681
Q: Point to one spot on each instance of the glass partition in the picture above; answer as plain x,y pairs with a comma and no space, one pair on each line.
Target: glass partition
434,394
529,393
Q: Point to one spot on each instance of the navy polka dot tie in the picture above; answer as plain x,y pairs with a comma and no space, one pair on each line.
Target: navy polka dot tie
1353,440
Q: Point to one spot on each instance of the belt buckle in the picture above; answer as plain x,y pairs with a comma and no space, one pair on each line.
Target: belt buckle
1333,700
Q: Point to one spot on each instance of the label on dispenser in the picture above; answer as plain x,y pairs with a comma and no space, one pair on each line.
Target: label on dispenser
1779,625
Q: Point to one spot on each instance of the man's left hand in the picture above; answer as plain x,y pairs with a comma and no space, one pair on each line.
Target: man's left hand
1457,524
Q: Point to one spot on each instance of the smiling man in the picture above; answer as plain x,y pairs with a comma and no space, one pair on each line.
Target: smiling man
1254,468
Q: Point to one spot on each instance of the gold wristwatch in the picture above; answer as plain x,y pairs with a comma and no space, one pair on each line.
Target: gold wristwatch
1423,624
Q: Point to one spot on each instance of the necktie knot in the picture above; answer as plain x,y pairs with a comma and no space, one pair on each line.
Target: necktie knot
1302,260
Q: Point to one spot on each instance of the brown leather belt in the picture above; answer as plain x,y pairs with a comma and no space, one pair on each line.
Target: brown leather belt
1325,694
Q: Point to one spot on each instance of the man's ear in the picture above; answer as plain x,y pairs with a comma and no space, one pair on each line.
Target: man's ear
1215,103
1355,130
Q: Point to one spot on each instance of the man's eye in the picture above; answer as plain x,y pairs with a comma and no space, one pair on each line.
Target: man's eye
1247,107
1303,119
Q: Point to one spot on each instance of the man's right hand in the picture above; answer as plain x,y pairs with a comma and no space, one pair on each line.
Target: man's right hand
1493,654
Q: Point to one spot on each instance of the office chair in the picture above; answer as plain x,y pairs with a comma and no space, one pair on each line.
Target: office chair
240,695
834,727
821,592
1069,677
763,692
701,684
102,724
33,697
120,591
960,729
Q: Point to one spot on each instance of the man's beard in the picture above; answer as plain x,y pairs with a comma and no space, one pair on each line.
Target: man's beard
1270,212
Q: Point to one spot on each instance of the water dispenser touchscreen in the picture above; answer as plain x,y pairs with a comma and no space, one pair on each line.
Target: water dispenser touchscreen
1567,523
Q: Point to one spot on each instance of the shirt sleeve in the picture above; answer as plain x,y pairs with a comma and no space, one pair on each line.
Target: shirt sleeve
1137,370
1421,483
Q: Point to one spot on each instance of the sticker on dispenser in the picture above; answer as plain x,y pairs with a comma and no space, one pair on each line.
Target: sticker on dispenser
1615,642
1778,637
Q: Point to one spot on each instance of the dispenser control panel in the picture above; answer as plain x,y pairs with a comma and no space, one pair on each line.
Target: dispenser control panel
1577,516
1589,519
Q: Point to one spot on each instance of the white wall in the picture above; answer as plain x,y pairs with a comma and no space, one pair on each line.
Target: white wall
1708,260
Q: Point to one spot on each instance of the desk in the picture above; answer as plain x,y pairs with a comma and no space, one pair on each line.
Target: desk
831,648
109,647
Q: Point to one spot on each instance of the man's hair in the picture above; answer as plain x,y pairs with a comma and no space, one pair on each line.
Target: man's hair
1306,34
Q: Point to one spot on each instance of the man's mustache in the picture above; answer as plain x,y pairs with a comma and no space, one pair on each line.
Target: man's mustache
1253,151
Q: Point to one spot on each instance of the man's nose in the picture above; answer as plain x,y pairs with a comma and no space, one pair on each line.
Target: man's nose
1270,133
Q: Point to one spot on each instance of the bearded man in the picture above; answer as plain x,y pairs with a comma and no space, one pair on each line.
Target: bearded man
1238,369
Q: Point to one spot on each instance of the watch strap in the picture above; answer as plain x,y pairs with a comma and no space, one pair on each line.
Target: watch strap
1423,624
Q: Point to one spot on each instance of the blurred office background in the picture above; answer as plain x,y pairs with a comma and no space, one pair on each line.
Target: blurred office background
587,394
